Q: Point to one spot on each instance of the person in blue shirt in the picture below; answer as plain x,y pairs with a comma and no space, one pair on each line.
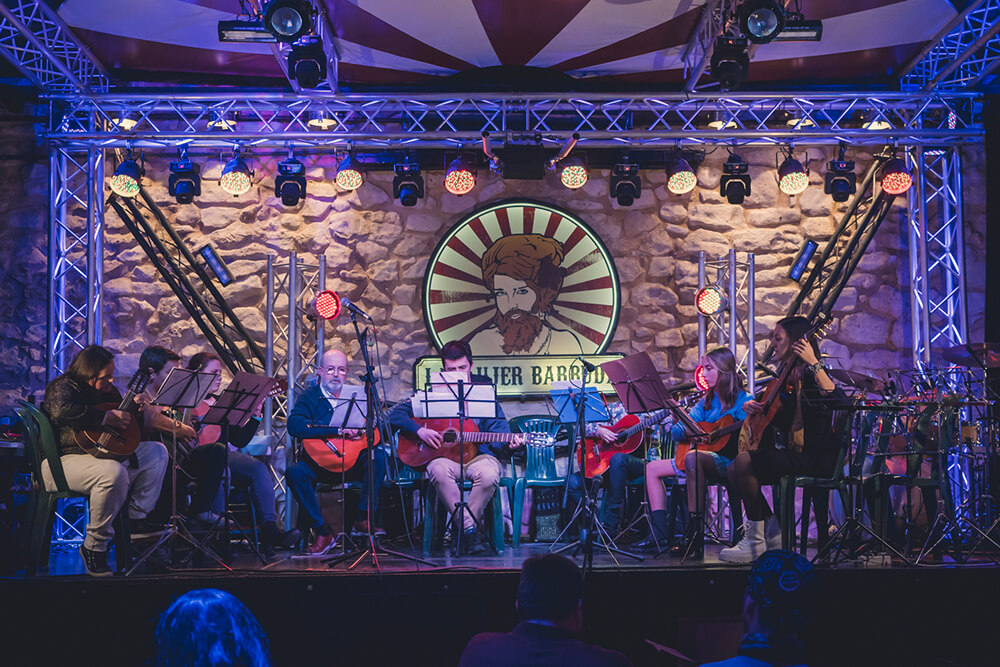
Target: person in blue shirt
724,396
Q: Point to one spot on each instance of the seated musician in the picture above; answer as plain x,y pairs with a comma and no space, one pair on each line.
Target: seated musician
205,465
805,418
724,397
311,418
243,468
70,402
443,473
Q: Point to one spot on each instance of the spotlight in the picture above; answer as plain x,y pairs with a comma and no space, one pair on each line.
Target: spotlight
793,178
222,122
349,176
761,20
242,30
895,177
573,173
323,120
125,181
288,20
797,29
735,183
216,264
408,184
185,179
710,300
700,381
625,182
307,64
327,305
460,177
730,63
123,123
236,175
680,176
290,183
841,181
802,261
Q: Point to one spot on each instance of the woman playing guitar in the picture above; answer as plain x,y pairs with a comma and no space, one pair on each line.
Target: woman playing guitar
720,407
800,405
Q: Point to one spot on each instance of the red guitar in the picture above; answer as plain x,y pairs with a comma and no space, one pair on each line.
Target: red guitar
105,442
595,455
337,453
415,453
718,435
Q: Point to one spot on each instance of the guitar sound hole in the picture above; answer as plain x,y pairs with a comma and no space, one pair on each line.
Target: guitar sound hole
450,437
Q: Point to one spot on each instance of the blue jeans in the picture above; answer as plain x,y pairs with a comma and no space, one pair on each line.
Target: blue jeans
621,469
303,475
246,470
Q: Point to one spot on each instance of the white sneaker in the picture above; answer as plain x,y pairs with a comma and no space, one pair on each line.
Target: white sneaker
772,532
750,547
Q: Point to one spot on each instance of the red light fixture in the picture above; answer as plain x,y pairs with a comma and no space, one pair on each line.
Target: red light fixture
710,300
327,305
699,378
460,178
895,177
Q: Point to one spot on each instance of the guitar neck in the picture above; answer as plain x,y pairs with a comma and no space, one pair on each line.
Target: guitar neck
643,423
482,436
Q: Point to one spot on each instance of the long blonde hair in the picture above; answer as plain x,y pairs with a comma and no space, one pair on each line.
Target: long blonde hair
729,382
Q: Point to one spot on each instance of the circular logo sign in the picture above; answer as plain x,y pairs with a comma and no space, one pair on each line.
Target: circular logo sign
522,278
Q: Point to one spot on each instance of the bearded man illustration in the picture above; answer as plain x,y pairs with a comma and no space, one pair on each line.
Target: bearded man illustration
523,274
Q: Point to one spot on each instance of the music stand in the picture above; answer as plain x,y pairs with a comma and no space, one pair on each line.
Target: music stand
641,390
587,507
181,389
452,395
233,408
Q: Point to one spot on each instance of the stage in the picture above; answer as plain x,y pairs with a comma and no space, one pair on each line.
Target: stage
940,614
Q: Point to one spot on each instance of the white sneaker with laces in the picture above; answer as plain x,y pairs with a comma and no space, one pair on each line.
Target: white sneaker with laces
750,547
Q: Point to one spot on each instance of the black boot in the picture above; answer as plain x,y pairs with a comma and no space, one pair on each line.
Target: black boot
276,537
658,540
96,562
693,542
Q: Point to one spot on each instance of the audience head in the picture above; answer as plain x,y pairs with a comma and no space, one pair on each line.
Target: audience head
780,590
210,628
93,365
551,589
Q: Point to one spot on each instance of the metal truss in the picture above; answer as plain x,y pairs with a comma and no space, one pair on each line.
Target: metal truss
36,40
326,34
295,340
735,324
964,52
698,52
937,262
271,120
76,254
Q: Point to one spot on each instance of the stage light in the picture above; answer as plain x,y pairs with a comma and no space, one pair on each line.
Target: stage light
290,183
327,305
222,122
460,177
802,261
761,20
573,173
349,174
710,300
680,176
700,381
408,184
236,176
735,183
123,123
840,182
288,20
793,178
626,185
799,30
125,181
323,120
184,183
244,31
798,122
215,263
307,64
730,63
894,177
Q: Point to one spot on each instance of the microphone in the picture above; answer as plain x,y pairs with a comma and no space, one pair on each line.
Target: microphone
586,364
684,386
346,304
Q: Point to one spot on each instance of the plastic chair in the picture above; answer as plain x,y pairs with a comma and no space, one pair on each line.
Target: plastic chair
40,445
540,465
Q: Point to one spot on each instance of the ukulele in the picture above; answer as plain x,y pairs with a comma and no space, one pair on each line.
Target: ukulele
755,425
106,442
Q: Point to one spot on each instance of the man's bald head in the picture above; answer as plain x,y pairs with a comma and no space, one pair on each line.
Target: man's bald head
333,371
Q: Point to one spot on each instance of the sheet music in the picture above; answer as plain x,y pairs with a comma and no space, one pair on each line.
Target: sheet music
343,404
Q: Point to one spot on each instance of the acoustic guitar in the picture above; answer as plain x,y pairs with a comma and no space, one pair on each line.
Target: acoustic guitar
412,451
337,453
106,442
718,435
595,455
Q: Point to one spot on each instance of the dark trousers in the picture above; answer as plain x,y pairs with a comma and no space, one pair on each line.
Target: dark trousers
207,465
622,468
303,475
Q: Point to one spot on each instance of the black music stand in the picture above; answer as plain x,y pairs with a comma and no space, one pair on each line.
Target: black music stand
587,507
182,389
233,409
464,400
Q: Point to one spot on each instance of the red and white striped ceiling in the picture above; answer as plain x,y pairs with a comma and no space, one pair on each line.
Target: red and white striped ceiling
408,44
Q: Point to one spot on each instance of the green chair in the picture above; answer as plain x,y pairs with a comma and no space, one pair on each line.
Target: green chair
433,510
539,467
40,445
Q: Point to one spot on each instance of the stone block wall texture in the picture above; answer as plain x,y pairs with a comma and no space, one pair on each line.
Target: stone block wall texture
376,252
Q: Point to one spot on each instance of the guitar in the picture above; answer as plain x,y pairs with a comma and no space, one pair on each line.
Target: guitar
595,455
337,453
755,425
415,453
718,434
105,442
211,433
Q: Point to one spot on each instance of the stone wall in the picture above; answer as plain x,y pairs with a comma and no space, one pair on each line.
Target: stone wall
377,250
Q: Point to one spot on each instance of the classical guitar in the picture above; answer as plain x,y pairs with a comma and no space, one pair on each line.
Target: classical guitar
337,453
106,442
595,455
717,436
755,425
415,453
